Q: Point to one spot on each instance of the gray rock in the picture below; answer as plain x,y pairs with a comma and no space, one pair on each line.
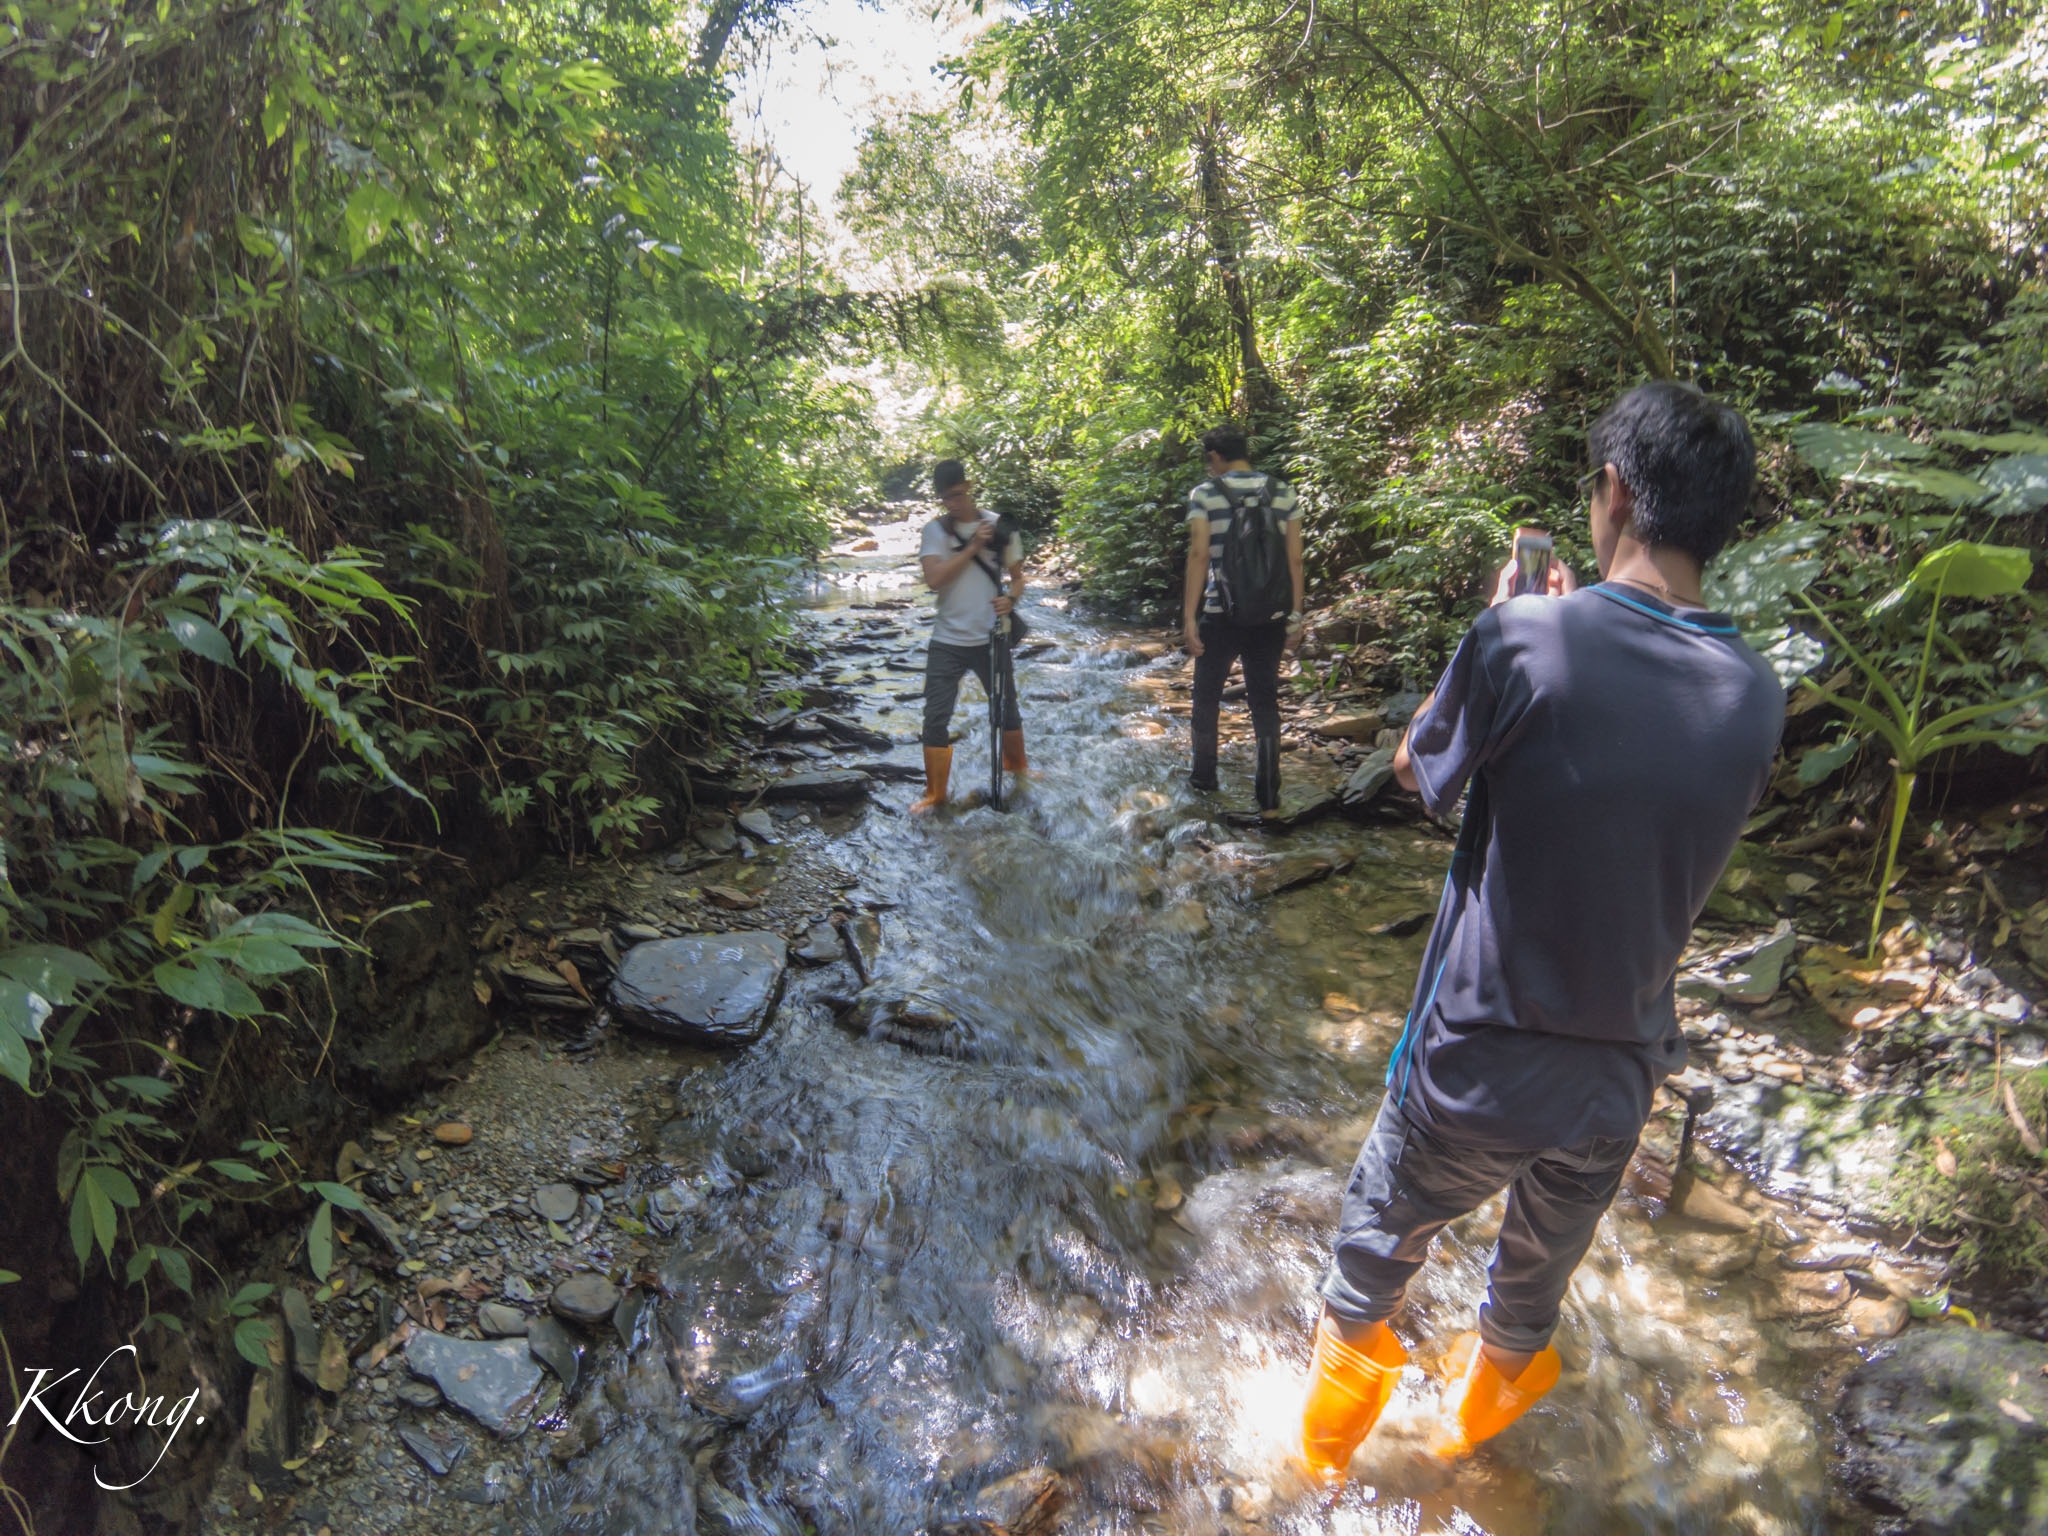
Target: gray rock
758,824
302,1333
832,785
419,1394
494,1383
1369,778
1293,871
718,836
630,934
550,1343
438,1453
1754,979
499,1320
855,735
585,1298
1946,1431
267,1436
710,989
518,1291
863,935
557,1202
1296,809
821,946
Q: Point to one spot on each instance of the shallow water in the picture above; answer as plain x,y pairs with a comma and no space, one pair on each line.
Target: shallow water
1085,1229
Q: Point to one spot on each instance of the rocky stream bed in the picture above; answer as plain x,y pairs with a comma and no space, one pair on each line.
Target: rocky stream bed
840,1173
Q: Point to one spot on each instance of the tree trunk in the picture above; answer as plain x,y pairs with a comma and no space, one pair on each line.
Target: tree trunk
1222,227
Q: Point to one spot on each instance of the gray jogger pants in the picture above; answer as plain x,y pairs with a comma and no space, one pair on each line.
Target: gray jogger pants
1408,1183
944,666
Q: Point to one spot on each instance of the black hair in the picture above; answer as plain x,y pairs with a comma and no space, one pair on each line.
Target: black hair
1688,461
1227,442
946,474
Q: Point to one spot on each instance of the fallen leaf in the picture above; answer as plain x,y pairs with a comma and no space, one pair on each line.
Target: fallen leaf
437,1314
1944,1160
482,990
434,1285
465,1373
566,969
383,1347
1941,1418
2014,1411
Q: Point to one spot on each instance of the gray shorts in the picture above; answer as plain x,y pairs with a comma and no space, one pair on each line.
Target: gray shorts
944,666
1409,1182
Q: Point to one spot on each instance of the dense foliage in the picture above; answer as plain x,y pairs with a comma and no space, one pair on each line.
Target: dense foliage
412,413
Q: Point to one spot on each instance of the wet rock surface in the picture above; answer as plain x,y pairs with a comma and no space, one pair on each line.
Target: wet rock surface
495,1383
707,990
1947,1432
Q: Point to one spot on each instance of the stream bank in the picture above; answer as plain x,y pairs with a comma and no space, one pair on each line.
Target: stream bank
1014,1211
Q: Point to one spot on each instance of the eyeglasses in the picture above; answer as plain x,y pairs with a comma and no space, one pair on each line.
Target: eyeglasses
1589,482
958,490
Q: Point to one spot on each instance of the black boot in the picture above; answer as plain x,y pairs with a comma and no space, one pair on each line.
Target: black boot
1266,780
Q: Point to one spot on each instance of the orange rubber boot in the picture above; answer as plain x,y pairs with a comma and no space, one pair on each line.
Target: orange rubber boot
938,769
1013,753
1479,1402
1348,1386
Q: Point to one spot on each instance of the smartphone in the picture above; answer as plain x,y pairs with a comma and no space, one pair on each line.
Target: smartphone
1532,561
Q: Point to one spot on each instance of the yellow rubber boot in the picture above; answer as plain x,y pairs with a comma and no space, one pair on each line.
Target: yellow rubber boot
938,769
1013,753
1348,1386
1479,1402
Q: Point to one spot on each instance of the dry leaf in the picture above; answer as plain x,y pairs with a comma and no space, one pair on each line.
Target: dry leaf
385,1345
437,1314
1944,1160
566,969
2028,1139
465,1373
2014,1411
434,1286
482,989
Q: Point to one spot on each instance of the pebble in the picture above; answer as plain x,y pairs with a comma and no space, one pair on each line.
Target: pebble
437,1453
758,824
518,1290
419,1394
557,1202
1878,1317
585,1298
499,1320
453,1133
637,933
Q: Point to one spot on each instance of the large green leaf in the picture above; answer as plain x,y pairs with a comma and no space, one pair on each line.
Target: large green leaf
1839,451
2017,485
1964,569
1942,484
1752,581
320,1241
55,972
1997,442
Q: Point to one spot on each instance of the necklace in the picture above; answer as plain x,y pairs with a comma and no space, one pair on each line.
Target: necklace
1662,591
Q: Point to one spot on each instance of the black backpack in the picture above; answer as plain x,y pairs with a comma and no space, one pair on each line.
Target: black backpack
1252,577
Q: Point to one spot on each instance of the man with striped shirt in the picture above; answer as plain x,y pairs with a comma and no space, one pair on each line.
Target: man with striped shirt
1215,637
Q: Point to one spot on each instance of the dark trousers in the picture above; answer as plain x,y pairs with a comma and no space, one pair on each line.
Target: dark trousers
1259,647
1408,1183
944,666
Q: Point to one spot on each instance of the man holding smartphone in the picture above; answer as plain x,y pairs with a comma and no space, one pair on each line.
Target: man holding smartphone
1615,739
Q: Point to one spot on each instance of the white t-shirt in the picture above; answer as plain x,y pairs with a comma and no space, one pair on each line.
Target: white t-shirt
1208,504
967,609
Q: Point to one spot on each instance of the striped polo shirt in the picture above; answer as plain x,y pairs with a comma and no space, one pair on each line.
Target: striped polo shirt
1207,501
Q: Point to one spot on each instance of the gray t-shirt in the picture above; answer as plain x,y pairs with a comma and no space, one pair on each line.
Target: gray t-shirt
967,609
1615,748
1208,503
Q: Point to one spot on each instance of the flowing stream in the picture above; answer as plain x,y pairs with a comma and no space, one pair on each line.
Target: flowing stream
1082,1229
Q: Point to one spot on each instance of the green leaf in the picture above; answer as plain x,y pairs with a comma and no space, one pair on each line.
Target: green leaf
1752,581
114,1183
1840,450
244,1300
57,973
197,983
199,637
1942,484
252,1340
100,1206
22,1010
176,1267
1964,569
153,1089
2018,485
8,1277
371,211
1997,442
241,1173
14,1057
320,1241
340,1194
277,114
81,1227
259,955
1819,762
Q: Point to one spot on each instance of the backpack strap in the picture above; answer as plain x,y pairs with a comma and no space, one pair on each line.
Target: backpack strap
993,572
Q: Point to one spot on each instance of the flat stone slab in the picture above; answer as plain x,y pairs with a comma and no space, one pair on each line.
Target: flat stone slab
585,1298
839,784
494,1383
821,946
709,989
557,1202
1946,1431
550,1343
